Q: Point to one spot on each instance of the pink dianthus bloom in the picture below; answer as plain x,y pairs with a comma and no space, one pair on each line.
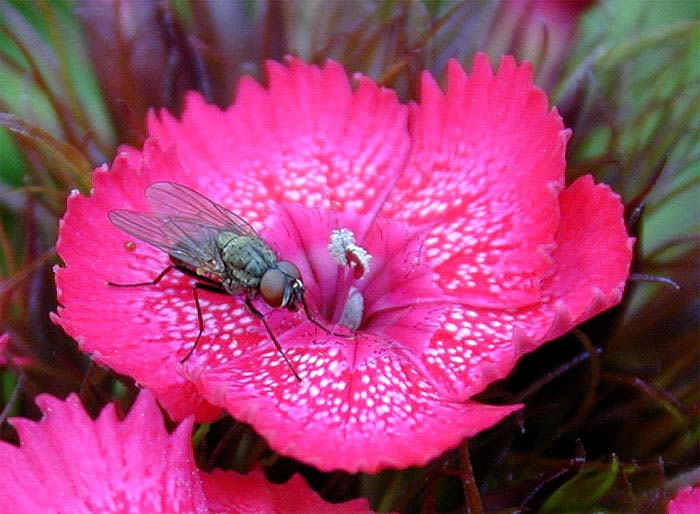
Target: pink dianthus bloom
687,501
476,253
68,463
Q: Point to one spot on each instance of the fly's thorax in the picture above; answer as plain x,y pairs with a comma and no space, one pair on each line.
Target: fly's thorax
246,258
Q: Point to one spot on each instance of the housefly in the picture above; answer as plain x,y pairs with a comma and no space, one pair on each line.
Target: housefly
219,249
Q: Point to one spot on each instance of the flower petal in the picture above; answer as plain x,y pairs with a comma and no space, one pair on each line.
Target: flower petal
591,262
485,168
70,463
383,413
308,139
473,347
228,492
687,501
124,327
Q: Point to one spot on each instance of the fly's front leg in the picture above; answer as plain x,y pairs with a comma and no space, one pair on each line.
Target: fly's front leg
261,317
149,283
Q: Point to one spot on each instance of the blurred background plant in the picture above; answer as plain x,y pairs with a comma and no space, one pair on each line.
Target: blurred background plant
612,419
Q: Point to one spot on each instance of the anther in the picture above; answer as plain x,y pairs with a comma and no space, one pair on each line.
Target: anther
346,252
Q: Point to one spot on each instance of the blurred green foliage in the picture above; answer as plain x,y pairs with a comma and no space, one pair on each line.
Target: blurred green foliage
648,62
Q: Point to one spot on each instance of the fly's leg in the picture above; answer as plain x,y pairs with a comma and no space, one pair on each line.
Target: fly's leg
213,287
149,283
200,320
318,323
261,317
153,282
195,289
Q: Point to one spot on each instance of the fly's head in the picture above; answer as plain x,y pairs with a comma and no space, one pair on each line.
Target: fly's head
281,286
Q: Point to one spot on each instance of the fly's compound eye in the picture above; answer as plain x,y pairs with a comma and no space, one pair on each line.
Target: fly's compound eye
272,287
288,268
281,286
294,293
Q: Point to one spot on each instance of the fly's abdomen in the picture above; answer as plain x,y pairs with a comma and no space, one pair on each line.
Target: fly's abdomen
245,258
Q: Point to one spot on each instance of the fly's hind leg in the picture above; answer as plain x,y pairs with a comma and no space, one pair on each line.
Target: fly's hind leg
261,317
195,289
153,282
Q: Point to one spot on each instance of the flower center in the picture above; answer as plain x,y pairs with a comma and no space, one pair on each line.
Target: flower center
363,272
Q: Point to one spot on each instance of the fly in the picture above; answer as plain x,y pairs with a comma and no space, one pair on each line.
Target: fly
219,249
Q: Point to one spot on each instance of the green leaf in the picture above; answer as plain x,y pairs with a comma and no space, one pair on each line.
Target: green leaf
76,161
12,163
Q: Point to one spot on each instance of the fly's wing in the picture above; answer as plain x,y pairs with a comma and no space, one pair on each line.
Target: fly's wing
179,200
190,240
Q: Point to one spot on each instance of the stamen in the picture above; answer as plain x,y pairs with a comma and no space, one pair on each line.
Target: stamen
343,249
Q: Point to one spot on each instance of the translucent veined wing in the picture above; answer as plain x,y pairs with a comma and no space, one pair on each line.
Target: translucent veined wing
190,240
176,199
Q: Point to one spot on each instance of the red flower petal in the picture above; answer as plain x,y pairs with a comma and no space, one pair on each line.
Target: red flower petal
70,463
687,501
308,139
590,265
231,493
486,164
473,347
123,327
382,414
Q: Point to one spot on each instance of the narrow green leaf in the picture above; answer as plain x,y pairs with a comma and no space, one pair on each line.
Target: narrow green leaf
76,161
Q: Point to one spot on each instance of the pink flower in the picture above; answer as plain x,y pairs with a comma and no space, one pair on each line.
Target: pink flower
687,501
70,463
477,255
